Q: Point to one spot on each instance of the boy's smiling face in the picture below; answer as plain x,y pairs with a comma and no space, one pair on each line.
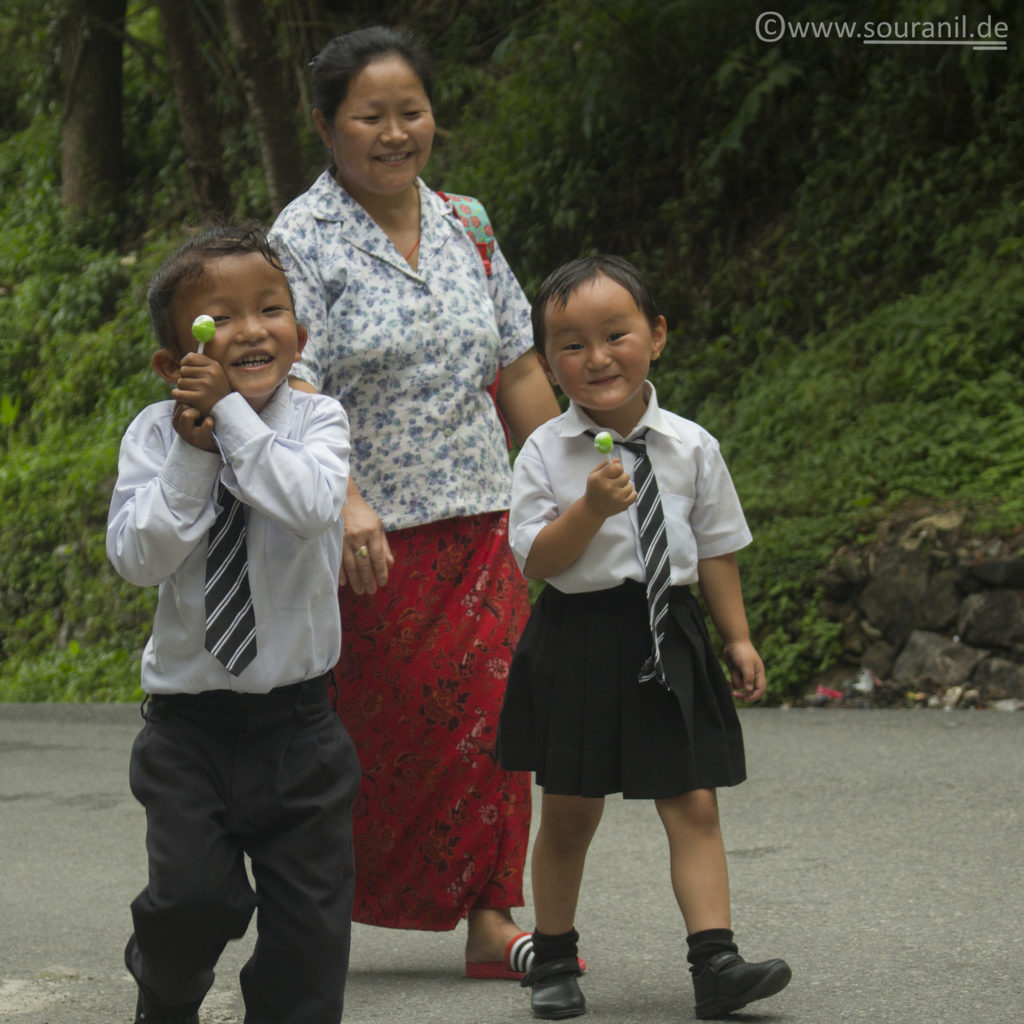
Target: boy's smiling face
257,339
599,348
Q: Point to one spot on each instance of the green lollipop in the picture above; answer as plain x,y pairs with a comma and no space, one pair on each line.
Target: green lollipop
603,442
203,329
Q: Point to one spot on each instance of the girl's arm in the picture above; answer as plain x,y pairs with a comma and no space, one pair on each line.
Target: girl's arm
609,491
719,581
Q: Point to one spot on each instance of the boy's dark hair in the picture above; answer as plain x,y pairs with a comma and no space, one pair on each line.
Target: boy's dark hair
345,56
189,262
561,284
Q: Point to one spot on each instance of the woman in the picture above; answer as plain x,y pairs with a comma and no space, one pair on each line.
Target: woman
407,326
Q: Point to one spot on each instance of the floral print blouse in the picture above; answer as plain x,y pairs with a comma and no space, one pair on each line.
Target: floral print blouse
407,352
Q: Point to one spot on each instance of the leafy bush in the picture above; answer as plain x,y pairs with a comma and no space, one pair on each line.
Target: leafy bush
835,233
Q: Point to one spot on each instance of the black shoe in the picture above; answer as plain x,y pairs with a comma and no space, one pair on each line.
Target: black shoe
556,994
147,1012
727,982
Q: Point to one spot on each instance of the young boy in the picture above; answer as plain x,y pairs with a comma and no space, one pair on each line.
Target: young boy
615,686
241,752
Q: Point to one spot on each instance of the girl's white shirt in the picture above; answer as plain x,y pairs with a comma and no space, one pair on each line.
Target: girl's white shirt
703,515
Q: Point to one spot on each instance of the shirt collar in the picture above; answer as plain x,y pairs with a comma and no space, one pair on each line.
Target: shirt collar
276,412
576,421
330,202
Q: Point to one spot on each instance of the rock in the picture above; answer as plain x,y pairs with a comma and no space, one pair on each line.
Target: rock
999,678
942,606
847,570
922,607
930,527
905,595
992,618
930,660
1007,574
879,656
1010,704
952,696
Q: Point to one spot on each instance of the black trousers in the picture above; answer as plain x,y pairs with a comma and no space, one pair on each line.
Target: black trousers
273,776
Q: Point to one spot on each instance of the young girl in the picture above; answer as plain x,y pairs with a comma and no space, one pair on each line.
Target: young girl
597,701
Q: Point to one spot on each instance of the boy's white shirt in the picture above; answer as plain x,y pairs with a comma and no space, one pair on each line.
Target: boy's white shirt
289,465
703,515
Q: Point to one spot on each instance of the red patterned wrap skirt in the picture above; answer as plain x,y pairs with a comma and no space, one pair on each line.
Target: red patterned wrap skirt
439,827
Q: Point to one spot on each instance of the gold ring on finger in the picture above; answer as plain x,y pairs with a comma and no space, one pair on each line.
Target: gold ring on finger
363,552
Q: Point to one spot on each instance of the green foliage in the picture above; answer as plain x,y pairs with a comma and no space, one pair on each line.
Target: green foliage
835,232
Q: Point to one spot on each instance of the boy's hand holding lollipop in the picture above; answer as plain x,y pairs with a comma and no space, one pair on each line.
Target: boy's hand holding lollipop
200,385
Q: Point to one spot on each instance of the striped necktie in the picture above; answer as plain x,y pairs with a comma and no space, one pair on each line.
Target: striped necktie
654,548
230,620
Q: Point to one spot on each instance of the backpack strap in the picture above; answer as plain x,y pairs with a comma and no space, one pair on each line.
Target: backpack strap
474,219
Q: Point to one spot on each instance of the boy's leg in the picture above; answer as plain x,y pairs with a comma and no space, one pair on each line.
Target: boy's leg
300,792
198,896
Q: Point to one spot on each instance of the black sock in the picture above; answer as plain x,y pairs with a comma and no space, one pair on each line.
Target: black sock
554,947
704,945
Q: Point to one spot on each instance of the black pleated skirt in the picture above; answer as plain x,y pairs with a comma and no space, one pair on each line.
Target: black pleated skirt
576,714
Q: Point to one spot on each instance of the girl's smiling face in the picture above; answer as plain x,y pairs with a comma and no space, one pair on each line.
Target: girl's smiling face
382,132
599,349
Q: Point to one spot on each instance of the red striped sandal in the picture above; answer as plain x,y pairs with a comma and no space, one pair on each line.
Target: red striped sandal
518,960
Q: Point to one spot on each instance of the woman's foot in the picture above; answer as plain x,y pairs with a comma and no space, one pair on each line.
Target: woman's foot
490,933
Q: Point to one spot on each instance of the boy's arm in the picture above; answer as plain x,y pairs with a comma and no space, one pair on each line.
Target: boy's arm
162,504
719,581
296,474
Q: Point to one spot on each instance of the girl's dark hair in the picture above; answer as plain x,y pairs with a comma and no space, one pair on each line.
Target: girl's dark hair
189,262
345,56
560,285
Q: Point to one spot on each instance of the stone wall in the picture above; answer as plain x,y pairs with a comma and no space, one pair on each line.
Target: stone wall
930,615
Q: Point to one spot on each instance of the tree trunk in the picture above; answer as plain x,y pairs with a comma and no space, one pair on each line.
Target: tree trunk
200,131
263,81
92,34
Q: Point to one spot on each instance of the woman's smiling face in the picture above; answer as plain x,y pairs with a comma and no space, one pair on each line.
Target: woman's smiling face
382,132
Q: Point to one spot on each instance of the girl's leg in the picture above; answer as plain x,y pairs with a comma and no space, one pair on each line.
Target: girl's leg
567,825
700,876
722,980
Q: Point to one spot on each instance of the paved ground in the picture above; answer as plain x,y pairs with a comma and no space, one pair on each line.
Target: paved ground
880,852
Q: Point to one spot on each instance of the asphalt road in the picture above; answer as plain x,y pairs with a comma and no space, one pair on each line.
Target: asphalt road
880,852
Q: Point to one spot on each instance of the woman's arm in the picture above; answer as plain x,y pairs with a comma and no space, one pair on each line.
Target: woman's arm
719,581
525,397
363,529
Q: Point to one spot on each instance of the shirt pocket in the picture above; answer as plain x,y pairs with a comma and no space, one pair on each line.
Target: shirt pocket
682,545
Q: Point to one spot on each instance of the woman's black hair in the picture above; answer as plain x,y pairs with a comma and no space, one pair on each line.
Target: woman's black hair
188,263
345,56
561,284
